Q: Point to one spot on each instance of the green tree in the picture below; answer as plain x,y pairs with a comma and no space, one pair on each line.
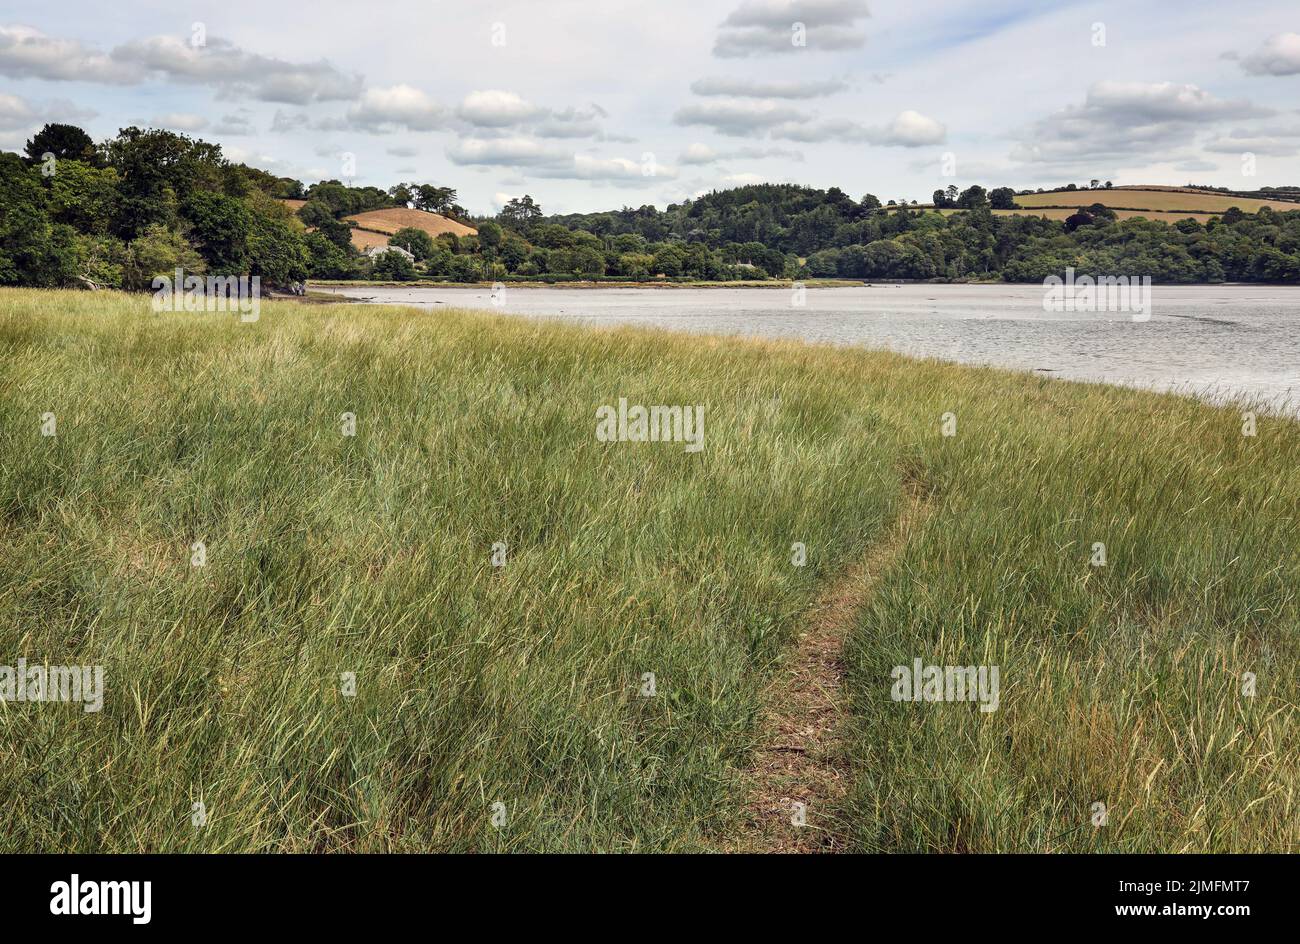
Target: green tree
490,235
220,227
65,142
415,241
33,250
1002,198
393,266
520,214
159,251
159,171
277,252
325,259
84,197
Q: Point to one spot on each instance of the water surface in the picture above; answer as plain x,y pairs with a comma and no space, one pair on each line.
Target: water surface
1236,341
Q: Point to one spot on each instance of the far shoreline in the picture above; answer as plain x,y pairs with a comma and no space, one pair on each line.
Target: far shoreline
765,284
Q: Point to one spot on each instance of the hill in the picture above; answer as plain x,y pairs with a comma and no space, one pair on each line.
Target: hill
373,227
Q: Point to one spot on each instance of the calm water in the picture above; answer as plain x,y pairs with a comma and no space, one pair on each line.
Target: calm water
1241,341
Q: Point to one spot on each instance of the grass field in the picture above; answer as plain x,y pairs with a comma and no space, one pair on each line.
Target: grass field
1062,213
1169,201
523,685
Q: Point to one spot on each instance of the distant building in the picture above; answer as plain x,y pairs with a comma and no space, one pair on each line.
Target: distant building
374,252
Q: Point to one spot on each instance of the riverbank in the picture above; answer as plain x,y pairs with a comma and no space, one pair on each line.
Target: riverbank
595,283
348,670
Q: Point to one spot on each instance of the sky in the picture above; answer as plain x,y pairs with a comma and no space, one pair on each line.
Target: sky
609,103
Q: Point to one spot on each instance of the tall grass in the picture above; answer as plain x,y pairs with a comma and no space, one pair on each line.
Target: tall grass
371,554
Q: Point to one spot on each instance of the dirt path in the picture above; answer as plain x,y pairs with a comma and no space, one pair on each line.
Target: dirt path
801,759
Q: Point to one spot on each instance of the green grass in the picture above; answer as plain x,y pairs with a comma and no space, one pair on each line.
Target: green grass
520,685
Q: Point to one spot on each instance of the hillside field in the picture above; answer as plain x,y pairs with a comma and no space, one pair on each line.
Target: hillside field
348,670
1182,202
374,227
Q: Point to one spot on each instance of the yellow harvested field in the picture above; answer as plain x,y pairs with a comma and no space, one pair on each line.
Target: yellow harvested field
363,239
1186,202
1060,213
294,205
391,220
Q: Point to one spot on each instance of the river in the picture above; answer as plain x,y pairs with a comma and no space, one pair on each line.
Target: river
1237,341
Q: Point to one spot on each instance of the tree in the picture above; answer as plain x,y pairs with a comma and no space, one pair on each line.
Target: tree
219,227
489,235
338,232
325,260
394,266
33,251
1002,198
65,142
415,241
668,260
159,171
520,213
972,197
1075,220
277,252
433,199
83,196
159,251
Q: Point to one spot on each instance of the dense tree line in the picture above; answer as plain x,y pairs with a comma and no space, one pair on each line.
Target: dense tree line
149,201
824,233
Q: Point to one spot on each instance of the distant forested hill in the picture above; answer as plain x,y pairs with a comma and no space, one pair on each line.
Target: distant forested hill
118,212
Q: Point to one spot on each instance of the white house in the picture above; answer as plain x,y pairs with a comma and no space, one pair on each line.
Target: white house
374,252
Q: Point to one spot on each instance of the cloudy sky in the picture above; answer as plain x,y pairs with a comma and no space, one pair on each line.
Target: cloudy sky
596,104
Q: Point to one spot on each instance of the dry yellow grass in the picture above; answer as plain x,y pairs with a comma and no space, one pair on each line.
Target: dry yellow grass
391,220
363,239
1060,213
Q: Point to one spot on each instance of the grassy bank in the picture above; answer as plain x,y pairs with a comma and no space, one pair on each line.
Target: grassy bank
522,685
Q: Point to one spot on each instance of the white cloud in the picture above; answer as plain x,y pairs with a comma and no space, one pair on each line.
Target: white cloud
738,118
1127,121
28,53
179,121
537,159
18,113
908,129
397,106
506,152
1263,144
235,73
239,123
739,87
697,153
496,109
1280,55
785,26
